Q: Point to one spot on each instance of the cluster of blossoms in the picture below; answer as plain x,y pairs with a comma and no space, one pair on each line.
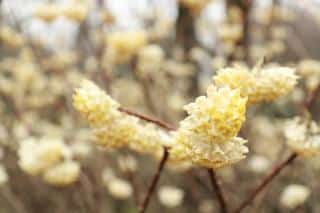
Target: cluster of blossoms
303,137
49,158
75,10
112,128
258,85
208,135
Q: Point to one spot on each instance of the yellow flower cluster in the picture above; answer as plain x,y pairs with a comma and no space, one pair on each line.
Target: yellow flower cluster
11,38
113,128
260,84
303,137
75,11
208,135
122,46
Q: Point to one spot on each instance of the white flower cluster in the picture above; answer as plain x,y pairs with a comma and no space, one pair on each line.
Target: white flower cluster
50,158
303,137
294,195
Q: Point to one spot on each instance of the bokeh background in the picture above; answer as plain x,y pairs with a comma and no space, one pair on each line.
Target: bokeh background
153,56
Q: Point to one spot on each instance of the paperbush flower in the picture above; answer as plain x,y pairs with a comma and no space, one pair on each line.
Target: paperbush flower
112,128
208,135
94,104
260,84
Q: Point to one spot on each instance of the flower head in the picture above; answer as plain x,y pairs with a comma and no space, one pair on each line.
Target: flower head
208,135
260,84
94,104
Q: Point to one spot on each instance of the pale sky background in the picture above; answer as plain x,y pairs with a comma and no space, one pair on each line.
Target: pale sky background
130,14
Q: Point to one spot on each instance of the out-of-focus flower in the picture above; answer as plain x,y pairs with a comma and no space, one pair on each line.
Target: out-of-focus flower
81,149
76,11
208,135
119,188
230,32
47,12
37,156
170,196
122,46
3,175
150,59
107,175
303,137
260,84
10,38
127,163
294,195
218,62
63,174
259,164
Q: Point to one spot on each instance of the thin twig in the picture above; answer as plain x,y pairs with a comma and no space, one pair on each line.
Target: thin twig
275,171
155,179
149,119
217,189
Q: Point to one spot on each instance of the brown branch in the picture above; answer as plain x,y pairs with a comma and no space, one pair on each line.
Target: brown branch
311,99
268,179
155,179
217,189
148,119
